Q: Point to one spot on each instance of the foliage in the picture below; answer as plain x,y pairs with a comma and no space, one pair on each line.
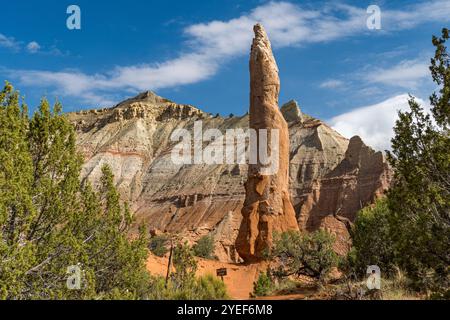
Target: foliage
204,248
206,287
394,287
263,286
158,245
267,285
185,266
210,287
372,240
419,199
304,254
49,220
183,283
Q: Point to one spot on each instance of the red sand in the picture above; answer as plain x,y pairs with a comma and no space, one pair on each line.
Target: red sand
239,279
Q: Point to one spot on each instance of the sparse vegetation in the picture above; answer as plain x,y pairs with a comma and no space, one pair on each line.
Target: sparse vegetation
203,288
185,265
211,288
204,248
269,285
158,245
183,283
304,254
396,287
263,286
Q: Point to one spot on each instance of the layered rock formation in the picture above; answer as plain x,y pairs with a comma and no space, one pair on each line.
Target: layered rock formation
330,177
267,207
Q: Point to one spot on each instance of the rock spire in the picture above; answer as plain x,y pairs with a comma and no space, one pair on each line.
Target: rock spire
267,207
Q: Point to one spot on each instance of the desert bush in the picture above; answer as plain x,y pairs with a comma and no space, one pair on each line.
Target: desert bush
211,288
158,245
206,287
204,248
304,254
185,266
203,288
183,283
372,240
263,286
267,285
395,287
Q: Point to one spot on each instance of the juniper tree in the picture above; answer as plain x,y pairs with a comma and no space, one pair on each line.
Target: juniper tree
420,196
49,220
16,209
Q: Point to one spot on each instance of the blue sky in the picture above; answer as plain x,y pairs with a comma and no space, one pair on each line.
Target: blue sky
196,52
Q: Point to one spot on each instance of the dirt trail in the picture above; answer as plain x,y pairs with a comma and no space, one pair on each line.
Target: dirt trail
239,279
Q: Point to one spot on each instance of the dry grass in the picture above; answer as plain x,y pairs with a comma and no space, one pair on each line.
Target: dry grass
395,288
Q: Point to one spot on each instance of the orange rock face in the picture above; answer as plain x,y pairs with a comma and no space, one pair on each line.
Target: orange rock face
267,207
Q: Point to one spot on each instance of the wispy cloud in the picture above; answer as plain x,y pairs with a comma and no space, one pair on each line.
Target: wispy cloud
31,47
408,74
414,15
374,123
332,84
211,44
9,42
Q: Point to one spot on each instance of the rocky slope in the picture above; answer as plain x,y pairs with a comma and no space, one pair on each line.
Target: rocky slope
331,178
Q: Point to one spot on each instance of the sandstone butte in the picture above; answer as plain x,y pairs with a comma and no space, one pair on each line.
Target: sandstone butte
267,207
329,178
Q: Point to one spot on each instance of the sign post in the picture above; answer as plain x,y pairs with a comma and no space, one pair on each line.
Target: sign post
221,272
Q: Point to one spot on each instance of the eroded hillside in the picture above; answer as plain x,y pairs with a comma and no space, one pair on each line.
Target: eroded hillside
331,177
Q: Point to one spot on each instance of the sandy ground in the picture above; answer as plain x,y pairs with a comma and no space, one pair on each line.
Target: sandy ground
239,279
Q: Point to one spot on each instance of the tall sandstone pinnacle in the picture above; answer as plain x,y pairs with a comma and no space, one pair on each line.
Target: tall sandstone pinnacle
267,207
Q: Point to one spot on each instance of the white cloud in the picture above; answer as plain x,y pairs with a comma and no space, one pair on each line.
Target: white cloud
94,88
414,15
9,42
186,69
70,83
211,44
287,25
332,84
33,47
407,74
374,124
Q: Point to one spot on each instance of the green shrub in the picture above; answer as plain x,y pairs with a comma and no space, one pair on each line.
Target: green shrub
158,245
203,288
204,248
211,288
185,266
263,286
183,283
372,241
304,254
